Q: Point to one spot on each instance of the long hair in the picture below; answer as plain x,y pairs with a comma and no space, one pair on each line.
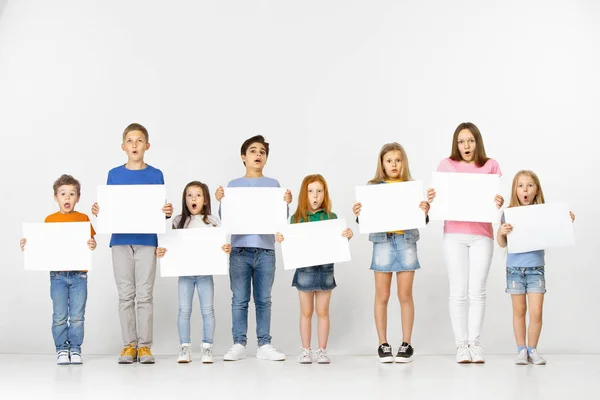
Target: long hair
303,205
404,169
480,157
539,195
185,213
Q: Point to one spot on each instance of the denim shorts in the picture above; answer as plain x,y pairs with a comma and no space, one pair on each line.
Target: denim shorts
521,280
395,255
314,279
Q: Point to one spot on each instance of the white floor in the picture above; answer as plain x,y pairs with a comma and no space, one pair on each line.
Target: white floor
428,377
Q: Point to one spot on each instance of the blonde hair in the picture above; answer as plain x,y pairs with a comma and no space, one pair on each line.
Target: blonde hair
301,214
539,195
380,171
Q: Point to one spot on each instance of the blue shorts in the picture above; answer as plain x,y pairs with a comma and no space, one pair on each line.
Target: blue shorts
314,279
521,280
395,255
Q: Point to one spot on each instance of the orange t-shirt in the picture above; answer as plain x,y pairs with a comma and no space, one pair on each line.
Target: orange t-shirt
71,217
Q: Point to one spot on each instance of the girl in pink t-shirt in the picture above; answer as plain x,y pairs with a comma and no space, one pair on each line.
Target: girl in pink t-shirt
468,247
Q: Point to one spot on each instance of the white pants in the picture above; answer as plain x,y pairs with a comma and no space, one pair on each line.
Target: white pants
468,258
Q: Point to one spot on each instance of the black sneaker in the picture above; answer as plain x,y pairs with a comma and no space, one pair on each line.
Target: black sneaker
405,353
385,353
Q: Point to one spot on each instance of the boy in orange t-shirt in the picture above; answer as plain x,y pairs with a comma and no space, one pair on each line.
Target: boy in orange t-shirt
68,289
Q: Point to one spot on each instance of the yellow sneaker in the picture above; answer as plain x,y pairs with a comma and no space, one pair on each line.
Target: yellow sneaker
128,354
145,355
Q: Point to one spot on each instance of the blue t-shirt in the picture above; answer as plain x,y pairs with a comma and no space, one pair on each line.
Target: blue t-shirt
528,259
258,241
123,176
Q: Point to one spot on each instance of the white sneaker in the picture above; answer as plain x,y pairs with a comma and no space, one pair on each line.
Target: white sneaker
522,357
207,354
76,357
305,356
235,353
62,358
268,352
185,353
476,354
463,355
535,358
322,357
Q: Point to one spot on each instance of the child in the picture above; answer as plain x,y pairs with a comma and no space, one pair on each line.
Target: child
525,280
468,247
133,255
252,262
68,289
318,281
394,252
195,213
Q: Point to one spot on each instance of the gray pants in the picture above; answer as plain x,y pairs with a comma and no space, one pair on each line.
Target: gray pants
135,269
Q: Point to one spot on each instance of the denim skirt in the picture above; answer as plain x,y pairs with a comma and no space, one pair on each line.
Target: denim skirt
312,279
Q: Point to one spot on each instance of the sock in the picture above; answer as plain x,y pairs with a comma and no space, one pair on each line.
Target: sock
521,348
529,349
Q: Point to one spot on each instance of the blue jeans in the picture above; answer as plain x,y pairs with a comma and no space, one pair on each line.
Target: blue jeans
68,291
250,265
206,294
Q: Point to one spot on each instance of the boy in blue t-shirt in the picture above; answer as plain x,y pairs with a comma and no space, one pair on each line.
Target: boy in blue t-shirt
134,259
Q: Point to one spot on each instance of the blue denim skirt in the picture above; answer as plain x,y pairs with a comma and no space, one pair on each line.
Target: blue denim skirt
395,255
314,279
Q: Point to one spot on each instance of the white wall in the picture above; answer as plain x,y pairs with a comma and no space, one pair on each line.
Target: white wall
327,83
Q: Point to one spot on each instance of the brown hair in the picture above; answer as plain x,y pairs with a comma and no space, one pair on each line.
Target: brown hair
67,180
539,195
480,157
303,207
254,139
380,171
185,213
135,127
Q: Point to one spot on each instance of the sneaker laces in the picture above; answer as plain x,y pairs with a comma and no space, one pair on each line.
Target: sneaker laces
269,347
184,351
475,349
463,351
404,349
386,349
207,351
304,352
321,353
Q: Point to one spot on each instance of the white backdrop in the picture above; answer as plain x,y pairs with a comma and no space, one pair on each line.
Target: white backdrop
327,83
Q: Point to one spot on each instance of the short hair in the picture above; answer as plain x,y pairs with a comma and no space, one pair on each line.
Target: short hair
136,127
254,139
67,180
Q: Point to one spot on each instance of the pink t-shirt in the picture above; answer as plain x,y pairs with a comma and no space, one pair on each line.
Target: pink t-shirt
470,228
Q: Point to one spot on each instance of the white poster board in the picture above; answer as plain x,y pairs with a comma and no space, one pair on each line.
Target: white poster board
314,243
57,246
193,252
131,208
465,197
539,227
251,210
390,207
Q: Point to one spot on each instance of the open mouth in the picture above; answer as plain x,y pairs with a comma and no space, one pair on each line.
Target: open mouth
67,205
194,206
468,153
526,198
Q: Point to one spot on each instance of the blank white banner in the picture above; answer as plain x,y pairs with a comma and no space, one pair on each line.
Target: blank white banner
193,252
57,246
465,197
250,210
131,208
314,243
539,227
390,207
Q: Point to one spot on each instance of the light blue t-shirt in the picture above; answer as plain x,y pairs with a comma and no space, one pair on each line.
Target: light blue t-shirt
528,259
258,241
